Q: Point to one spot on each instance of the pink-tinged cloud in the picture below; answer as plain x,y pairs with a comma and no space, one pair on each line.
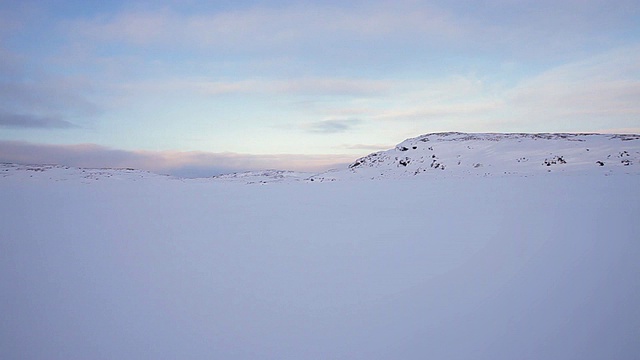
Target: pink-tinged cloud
263,27
179,163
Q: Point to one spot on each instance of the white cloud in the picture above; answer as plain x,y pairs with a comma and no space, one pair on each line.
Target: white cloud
604,87
441,111
597,93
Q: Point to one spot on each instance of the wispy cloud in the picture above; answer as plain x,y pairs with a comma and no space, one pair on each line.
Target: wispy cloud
590,91
442,111
263,27
586,94
326,86
180,163
48,99
247,73
521,28
33,99
332,126
29,121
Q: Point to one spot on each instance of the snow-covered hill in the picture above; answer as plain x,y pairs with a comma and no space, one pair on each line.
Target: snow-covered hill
439,155
461,154
54,173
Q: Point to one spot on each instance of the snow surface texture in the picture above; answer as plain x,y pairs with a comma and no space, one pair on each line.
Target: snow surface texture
124,264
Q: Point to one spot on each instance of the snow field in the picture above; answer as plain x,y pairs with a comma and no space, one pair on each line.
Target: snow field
482,268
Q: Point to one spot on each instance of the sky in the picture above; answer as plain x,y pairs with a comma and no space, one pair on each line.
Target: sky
197,88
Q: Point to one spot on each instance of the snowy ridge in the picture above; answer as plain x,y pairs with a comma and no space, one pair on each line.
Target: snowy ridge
455,154
64,173
437,155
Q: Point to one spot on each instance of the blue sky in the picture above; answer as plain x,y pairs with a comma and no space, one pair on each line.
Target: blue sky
195,88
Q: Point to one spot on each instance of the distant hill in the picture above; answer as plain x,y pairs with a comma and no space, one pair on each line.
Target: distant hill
454,154
439,155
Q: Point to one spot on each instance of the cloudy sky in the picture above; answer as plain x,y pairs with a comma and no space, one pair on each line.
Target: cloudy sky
199,87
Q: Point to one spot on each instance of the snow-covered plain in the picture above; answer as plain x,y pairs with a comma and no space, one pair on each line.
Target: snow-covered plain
124,264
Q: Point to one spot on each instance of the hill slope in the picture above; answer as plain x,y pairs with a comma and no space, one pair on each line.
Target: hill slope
461,154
